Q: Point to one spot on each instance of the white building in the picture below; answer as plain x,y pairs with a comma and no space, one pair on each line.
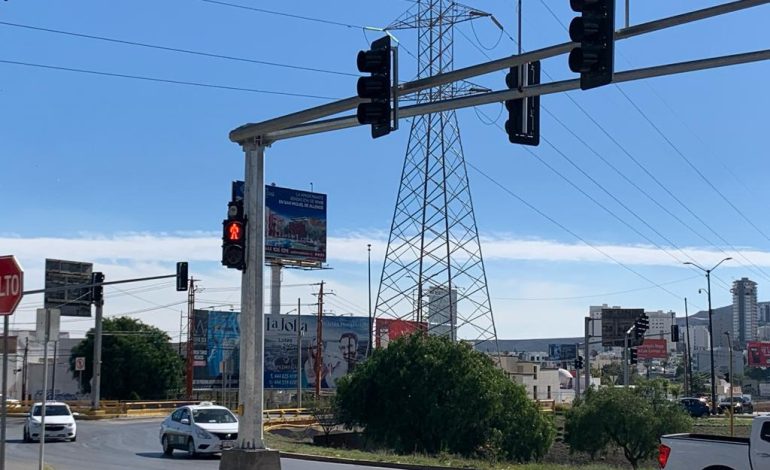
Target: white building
699,338
442,312
763,333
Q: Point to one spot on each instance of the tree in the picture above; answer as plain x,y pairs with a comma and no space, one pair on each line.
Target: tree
137,361
630,419
429,394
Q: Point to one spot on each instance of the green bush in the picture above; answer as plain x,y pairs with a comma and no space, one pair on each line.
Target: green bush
630,419
429,394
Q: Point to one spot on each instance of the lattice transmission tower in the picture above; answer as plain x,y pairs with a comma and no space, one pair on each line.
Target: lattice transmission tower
433,270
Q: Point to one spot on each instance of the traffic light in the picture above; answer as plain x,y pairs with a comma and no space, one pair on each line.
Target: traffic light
181,276
97,290
579,362
632,356
234,237
642,324
595,31
377,87
523,124
727,377
675,333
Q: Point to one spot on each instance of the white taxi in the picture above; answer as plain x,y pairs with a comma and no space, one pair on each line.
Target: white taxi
199,429
59,422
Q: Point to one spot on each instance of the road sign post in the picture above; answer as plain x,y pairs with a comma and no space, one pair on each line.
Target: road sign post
11,291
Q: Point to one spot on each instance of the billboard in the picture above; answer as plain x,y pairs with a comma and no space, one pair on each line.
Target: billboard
758,354
295,226
652,349
562,352
73,302
388,329
216,342
615,323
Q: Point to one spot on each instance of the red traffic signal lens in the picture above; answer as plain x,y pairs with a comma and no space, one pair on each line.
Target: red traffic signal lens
234,231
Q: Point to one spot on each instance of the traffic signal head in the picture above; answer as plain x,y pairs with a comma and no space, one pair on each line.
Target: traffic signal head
376,87
675,333
632,356
181,276
234,237
97,290
595,31
579,362
523,124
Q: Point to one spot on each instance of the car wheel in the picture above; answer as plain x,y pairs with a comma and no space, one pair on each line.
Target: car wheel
74,438
191,448
26,435
167,449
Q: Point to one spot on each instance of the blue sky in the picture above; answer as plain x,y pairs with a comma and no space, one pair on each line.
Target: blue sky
134,175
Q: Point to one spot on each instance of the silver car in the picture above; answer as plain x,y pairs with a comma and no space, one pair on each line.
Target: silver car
199,429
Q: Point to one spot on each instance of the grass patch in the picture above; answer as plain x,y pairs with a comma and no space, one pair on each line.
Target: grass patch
288,444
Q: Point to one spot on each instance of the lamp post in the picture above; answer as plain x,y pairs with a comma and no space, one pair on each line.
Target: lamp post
732,406
711,331
369,252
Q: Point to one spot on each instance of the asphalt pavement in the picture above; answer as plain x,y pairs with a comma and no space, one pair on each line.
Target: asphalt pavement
120,445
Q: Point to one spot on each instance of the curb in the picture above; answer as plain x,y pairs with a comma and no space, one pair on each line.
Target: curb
368,463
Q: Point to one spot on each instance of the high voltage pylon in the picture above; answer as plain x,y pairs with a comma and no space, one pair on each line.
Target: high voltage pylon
433,270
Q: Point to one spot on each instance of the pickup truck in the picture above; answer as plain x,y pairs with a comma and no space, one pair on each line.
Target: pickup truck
706,452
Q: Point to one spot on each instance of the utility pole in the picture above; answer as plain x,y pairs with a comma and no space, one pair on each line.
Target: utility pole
97,378
369,252
587,371
189,363
319,344
688,354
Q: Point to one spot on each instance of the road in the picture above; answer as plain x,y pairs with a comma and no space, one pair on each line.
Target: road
120,445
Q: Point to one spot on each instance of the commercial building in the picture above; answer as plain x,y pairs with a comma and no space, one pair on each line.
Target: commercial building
745,311
660,327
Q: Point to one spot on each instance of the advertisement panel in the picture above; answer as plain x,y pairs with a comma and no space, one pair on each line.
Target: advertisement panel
562,352
71,302
615,323
216,348
652,349
388,329
295,225
758,354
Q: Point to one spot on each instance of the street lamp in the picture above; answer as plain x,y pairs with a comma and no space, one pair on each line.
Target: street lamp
711,332
732,407
369,253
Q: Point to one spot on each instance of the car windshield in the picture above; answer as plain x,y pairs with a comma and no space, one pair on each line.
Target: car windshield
214,415
51,410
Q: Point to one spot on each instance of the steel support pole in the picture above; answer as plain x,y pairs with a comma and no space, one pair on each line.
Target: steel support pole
369,250
711,348
46,337
299,355
626,359
53,373
275,288
252,318
96,381
3,406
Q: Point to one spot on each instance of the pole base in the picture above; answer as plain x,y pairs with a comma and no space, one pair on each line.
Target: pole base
250,459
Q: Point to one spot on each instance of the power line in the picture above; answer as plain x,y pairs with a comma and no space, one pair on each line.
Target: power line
591,296
288,15
179,50
757,269
690,164
163,80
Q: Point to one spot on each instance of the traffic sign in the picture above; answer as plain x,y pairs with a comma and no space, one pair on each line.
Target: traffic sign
80,363
11,284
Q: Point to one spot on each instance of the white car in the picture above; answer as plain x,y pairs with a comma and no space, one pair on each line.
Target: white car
59,422
199,429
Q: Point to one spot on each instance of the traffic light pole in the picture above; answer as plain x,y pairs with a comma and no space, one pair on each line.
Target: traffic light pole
97,378
298,123
251,451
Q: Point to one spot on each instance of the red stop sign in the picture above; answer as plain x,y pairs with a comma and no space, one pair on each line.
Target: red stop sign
11,284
